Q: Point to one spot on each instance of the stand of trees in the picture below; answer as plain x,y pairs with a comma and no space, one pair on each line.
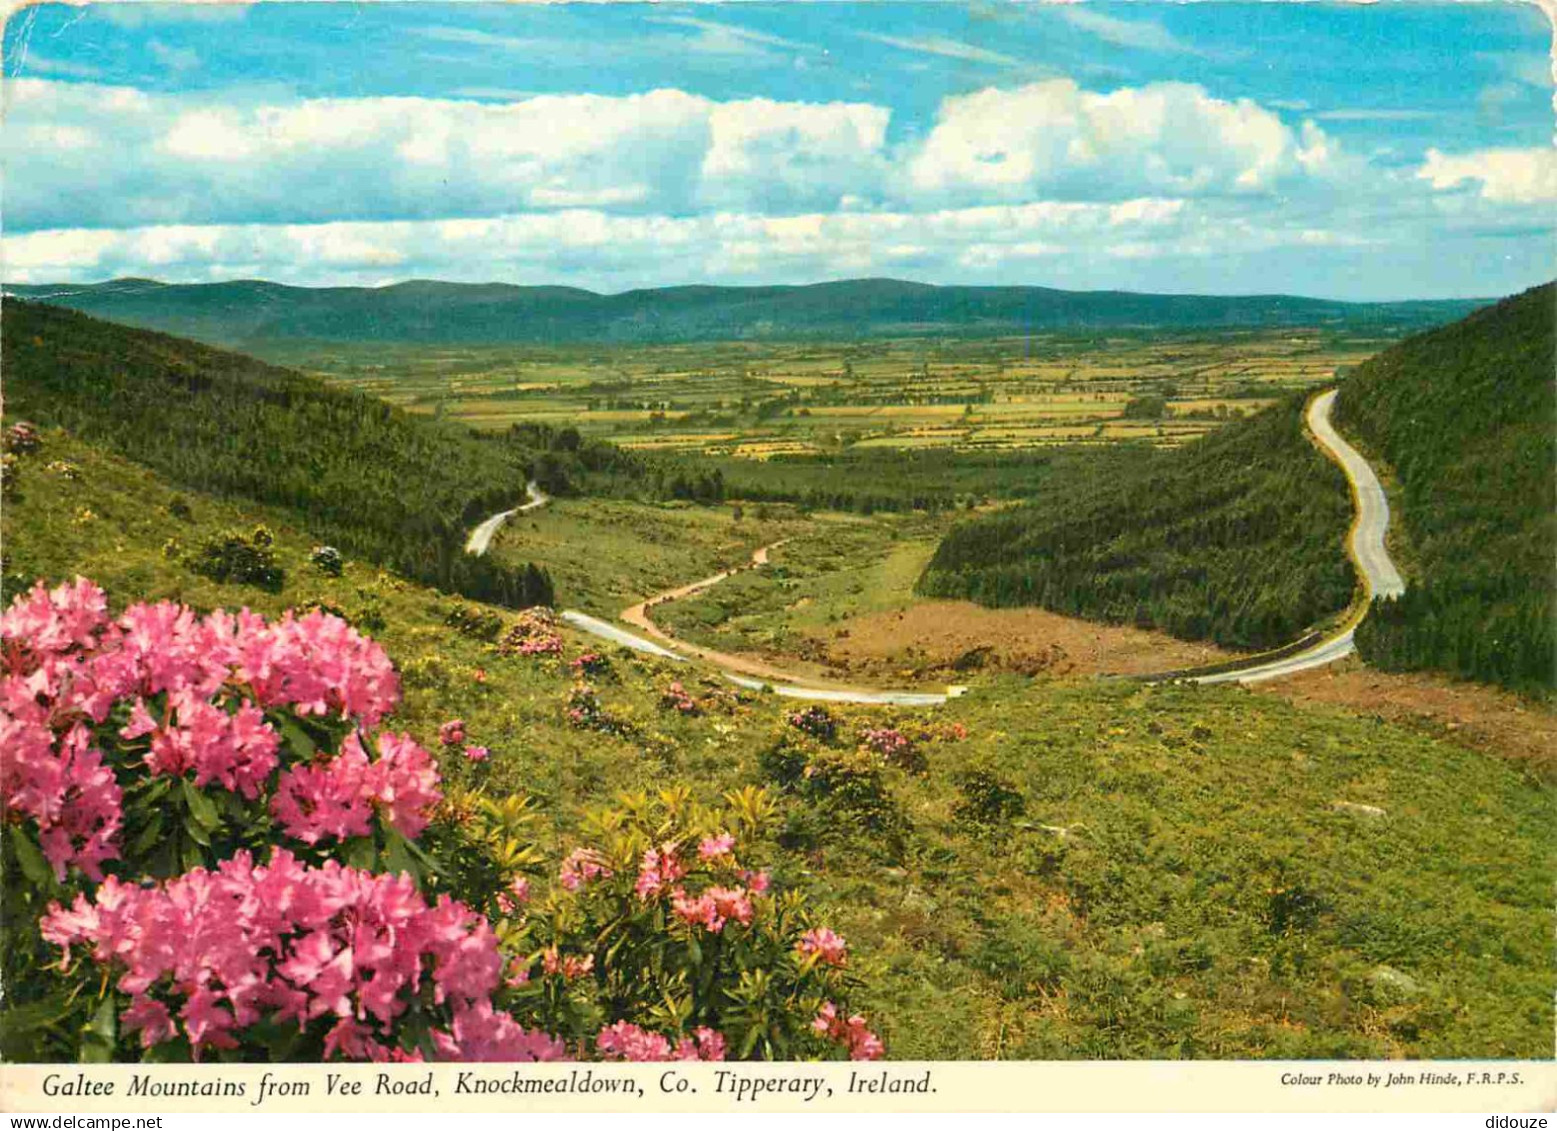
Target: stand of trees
1467,418
1238,539
384,485
889,480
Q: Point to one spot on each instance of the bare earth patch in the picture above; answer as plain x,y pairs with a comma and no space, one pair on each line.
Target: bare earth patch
933,636
1481,718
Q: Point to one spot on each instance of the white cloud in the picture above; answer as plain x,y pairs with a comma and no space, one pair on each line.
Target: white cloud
1140,34
943,47
167,159
1054,138
665,186
727,39
1505,176
793,155
534,247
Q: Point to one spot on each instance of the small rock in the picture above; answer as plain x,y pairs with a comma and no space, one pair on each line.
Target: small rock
1357,810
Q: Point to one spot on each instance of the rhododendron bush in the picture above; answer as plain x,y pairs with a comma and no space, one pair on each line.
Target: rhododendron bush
215,848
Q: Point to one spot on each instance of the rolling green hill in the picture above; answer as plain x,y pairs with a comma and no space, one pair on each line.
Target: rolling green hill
1237,538
378,482
249,313
1466,417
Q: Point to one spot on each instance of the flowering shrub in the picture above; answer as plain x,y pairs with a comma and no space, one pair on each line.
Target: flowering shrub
583,707
583,710
92,707
931,731
817,722
675,698
353,960
591,665
895,748
22,438
533,633
221,855
680,946
328,560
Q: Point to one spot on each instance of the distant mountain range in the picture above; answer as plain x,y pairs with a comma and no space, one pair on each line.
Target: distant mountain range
249,313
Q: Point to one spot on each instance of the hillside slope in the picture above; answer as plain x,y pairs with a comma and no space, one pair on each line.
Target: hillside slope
1237,538
1077,870
248,313
381,483
1467,418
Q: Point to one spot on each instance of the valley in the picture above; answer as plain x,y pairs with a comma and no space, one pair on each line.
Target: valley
1048,864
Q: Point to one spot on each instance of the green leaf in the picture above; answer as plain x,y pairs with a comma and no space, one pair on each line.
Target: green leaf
298,739
397,856
150,835
193,858
202,808
360,852
196,833
97,1039
34,1015
428,860
30,857
752,1036
105,1022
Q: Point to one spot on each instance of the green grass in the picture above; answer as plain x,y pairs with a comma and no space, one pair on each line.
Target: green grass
842,566
1208,900
604,554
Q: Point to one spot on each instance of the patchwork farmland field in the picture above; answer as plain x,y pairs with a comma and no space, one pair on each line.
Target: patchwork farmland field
756,400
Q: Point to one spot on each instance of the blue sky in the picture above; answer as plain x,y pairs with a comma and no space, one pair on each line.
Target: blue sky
1394,150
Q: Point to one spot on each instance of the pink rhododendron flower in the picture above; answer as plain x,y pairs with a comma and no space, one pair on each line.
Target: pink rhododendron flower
481,1033
230,947
151,1019
518,893
704,1044
581,866
660,868
477,753
452,733
64,663
63,784
626,1041
699,912
716,847
570,966
852,1033
825,945
731,903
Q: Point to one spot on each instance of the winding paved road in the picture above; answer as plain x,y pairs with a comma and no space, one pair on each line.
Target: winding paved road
1380,578
1365,544
481,537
